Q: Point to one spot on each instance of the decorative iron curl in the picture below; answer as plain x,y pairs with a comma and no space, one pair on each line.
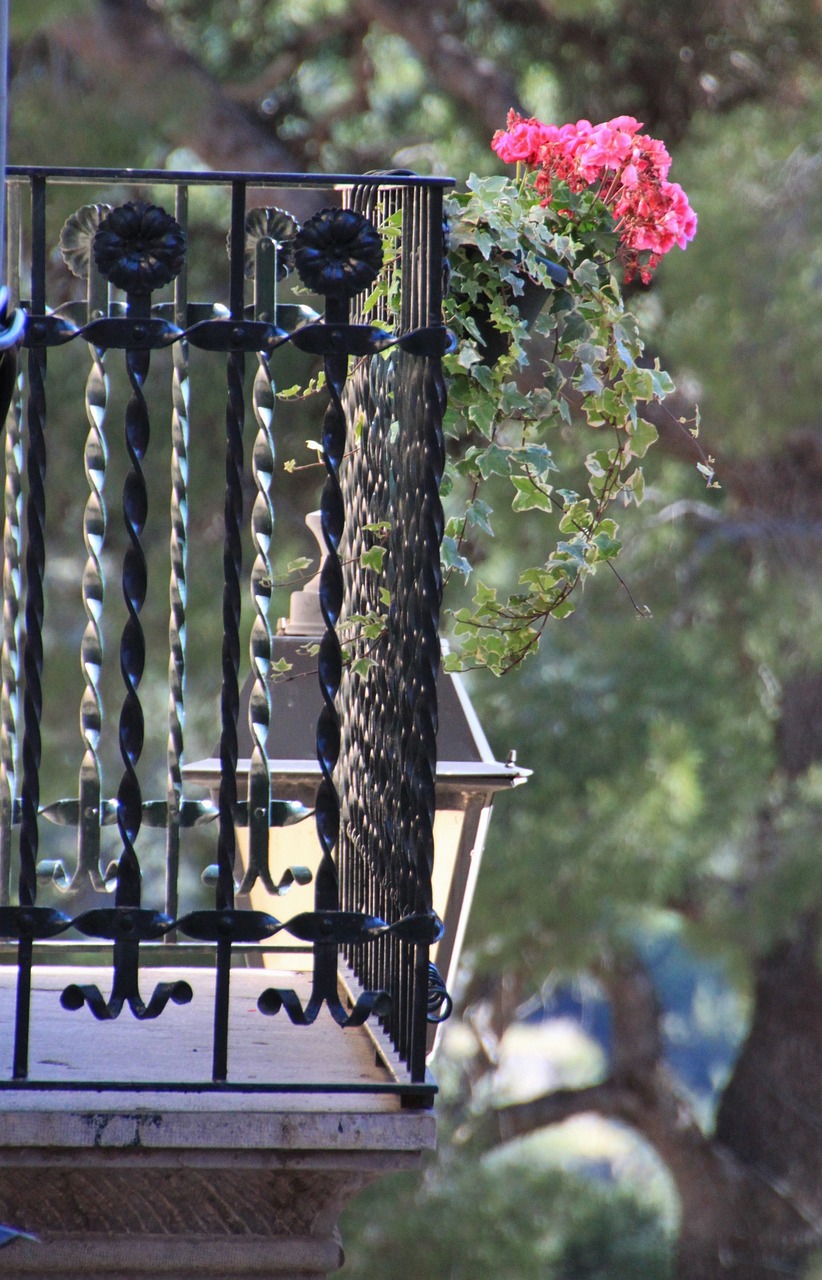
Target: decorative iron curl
440,1004
328,930
127,928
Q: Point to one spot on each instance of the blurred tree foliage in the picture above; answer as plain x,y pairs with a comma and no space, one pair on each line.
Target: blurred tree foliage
534,1224
677,783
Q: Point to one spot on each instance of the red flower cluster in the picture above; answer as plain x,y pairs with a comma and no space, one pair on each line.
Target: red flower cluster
651,214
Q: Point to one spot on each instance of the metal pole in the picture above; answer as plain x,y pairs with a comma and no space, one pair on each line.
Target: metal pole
4,118
12,323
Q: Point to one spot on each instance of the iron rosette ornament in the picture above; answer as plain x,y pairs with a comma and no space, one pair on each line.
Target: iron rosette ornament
338,253
139,247
269,223
77,235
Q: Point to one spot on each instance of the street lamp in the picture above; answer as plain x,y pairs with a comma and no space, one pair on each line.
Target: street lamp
468,777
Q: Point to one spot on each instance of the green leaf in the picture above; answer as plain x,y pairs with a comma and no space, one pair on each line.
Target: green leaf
362,666
530,496
623,349
478,513
587,380
485,595
635,484
373,559
493,461
483,375
587,274
453,560
536,458
483,415
467,356
643,434
606,546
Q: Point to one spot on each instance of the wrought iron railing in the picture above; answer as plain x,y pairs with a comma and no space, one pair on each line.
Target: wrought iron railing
376,256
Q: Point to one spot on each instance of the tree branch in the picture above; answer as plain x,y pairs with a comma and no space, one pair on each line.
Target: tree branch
610,1099
639,1090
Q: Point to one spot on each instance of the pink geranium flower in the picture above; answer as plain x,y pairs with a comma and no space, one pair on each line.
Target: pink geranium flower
523,140
627,169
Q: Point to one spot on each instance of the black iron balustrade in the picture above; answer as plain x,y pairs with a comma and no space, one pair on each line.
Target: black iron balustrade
382,453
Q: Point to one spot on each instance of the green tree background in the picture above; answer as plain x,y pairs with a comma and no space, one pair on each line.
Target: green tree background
662,865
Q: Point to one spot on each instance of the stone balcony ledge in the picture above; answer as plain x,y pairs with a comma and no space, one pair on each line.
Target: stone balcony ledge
196,1182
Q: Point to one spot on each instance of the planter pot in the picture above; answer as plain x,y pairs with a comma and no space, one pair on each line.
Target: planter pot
529,304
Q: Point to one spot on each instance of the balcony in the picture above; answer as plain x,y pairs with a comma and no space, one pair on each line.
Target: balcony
216,976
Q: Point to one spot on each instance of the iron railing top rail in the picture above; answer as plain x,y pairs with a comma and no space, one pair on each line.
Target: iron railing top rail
252,178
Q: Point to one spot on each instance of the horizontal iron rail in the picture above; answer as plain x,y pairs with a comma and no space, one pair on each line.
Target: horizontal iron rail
418,1090
250,178
154,950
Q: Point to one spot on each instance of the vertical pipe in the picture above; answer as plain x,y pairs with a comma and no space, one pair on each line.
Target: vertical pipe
4,117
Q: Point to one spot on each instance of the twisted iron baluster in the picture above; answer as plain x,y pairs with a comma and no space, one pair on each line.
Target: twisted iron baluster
425,397
91,648
337,253
33,645
262,526
76,237
33,694
427,389
178,555
232,569
28,921
138,247
10,660
230,691
132,642
11,386
329,660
